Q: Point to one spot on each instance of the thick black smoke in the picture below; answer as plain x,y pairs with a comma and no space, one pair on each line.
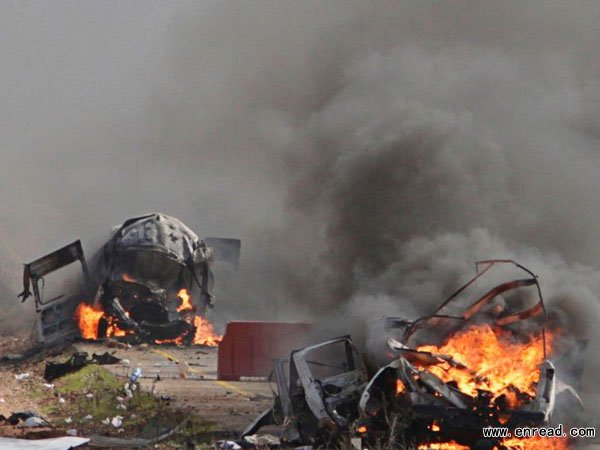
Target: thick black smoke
365,153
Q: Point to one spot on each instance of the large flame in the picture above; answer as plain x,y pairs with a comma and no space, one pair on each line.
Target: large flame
205,333
536,443
87,318
495,361
533,443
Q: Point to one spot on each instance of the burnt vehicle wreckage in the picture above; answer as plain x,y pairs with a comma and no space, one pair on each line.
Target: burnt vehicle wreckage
136,277
324,394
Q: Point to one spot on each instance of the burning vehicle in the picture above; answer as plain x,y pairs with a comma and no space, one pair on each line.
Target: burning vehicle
452,374
483,374
151,282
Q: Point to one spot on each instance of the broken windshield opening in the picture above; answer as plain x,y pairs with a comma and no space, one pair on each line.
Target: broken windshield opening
150,266
331,360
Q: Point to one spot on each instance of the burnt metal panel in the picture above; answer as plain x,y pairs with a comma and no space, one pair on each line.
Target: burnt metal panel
55,323
56,260
36,270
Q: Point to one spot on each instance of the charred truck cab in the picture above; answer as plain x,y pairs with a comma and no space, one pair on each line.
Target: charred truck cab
149,281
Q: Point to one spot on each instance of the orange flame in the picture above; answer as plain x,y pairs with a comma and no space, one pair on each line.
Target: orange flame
114,330
87,318
128,278
536,443
451,445
186,301
399,387
499,364
205,333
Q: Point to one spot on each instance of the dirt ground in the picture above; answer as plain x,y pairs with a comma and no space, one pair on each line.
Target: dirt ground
188,376
187,380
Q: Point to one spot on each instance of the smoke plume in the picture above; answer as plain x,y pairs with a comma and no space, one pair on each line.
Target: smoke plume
366,154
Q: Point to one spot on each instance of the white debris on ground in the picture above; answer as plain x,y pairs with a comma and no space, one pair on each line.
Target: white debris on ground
61,443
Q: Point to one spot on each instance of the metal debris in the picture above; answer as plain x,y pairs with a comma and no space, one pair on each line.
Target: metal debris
60,443
318,391
76,362
323,392
27,418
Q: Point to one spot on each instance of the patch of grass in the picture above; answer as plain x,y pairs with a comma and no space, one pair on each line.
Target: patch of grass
91,377
94,391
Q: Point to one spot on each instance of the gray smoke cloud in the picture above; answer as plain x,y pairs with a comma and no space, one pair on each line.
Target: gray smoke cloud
365,153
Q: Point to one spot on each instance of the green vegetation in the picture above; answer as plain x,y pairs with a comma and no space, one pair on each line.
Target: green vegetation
91,377
94,391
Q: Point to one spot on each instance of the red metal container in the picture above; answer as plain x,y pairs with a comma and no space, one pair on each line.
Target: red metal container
248,348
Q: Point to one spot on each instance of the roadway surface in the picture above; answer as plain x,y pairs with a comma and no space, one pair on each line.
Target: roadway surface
188,376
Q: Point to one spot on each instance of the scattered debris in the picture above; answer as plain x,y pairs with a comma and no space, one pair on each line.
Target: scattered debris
105,358
76,362
117,421
61,443
318,392
22,377
229,445
135,375
132,383
35,421
263,440
159,433
56,370
28,418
